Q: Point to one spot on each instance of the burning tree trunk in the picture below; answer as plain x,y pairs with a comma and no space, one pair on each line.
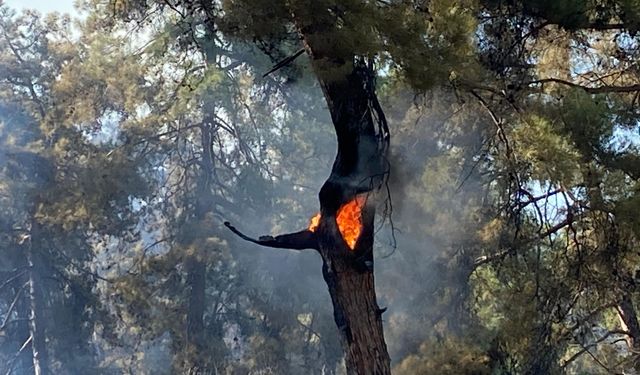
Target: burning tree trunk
343,231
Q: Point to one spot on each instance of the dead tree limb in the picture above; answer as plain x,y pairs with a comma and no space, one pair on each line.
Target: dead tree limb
304,239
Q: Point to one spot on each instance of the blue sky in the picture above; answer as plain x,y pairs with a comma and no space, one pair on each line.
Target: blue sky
44,6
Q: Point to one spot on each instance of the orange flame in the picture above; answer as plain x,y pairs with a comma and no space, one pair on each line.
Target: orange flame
315,221
349,220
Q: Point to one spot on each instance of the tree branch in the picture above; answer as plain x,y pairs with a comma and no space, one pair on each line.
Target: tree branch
304,239
484,259
585,348
11,307
13,278
284,62
17,355
590,90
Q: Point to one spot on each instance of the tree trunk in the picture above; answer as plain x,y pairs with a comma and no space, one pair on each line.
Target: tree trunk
36,326
629,322
195,268
359,170
24,361
355,309
195,264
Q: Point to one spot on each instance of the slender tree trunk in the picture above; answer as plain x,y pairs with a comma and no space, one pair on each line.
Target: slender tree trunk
195,312
36,325
629,322
196,283
195,263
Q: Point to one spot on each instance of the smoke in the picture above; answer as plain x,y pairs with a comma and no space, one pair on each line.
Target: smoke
432,186
287,308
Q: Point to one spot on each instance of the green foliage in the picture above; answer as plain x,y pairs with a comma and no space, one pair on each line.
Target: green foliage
447,358
515,166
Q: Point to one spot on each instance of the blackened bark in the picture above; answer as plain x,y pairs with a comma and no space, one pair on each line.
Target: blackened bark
24,361
349,276
304,239
359,170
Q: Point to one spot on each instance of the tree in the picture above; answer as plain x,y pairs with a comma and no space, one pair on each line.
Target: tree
358,172
347,78
194,159
53,196
28,172
513,170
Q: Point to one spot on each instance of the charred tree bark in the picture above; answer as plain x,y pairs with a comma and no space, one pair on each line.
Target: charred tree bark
350,279
359,170
24,360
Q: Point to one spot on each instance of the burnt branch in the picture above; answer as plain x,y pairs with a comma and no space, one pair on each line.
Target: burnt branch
586,348
590,90
304,239
284,62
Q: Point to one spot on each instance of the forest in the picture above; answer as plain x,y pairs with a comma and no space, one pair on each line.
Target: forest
210,186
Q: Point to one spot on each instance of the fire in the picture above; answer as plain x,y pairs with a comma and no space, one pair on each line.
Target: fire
349,220
314,222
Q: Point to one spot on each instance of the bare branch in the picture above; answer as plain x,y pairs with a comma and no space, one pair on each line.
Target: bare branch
304,239
591,90
11,307
533,199
585,348
284,62
13,278
17,355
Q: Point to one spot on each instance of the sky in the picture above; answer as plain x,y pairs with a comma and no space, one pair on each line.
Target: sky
44,6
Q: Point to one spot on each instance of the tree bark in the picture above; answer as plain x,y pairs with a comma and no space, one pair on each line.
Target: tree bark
24,360
195,265
196,282
36,326
359,170
355,309
629,322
